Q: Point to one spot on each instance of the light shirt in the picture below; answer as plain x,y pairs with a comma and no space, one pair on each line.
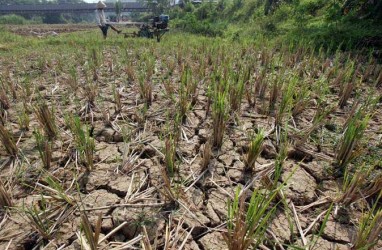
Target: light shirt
100,16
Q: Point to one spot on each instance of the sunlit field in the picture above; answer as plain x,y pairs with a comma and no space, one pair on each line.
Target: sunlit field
190,143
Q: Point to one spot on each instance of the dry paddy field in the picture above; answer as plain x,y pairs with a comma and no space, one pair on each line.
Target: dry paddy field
191,143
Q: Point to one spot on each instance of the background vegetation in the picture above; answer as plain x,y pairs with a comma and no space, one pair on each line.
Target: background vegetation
249,133
331,23
281,144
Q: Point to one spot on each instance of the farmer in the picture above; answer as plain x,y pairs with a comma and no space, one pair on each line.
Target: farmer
101,20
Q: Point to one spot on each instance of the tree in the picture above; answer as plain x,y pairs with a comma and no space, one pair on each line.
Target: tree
269,6
118,9
53,18
366,9
157,6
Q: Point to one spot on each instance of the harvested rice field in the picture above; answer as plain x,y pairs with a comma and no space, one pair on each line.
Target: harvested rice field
190,143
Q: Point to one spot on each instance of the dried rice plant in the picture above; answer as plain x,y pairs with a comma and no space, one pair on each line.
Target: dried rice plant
369,229
176,236
273,95
84,142
5,197
350,138
73,79
167,191
352,187
91,93
255,148
378,81
219,118
169,153
88,239
44,147
346,92
206,155
46,119
117,99
183,93
236,91
9,144
130,71
23,119
246,226
4,100
145,89
286,101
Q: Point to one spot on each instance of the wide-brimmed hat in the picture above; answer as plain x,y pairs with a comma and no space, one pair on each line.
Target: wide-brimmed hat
101,5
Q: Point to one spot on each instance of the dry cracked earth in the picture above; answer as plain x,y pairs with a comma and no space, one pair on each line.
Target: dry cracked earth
126,185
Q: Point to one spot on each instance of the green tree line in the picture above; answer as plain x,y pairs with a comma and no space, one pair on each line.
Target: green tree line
328,22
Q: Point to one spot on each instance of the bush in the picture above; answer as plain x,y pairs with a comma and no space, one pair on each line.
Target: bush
312,7
246,12
203,12
12,19
189,23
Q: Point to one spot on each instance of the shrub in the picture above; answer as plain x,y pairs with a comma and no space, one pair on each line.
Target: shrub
311,7
190,24
12,19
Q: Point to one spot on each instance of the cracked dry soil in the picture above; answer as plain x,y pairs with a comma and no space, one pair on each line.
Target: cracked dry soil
126,185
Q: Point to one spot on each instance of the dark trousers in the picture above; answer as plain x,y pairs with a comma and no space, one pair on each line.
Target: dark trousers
104,29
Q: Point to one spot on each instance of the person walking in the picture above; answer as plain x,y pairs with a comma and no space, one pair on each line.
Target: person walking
101,20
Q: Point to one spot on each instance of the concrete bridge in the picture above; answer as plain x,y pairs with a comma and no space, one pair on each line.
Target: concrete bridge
67,8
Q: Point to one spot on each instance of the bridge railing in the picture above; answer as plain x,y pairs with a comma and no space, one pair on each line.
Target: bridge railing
67,8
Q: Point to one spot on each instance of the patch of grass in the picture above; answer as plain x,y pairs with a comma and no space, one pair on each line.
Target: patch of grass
44,147
255,147
352,135
246,225
23,118
369,228
219,115
38,219
83,141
